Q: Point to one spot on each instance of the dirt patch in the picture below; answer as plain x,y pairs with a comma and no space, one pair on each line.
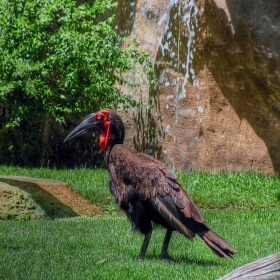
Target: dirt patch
30,198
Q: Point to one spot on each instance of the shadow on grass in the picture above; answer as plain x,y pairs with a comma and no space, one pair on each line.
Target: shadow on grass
10,247
179,261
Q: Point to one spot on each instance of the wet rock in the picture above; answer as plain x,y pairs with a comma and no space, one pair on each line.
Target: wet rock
218,67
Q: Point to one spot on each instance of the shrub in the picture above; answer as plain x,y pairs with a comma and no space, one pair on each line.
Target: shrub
57,58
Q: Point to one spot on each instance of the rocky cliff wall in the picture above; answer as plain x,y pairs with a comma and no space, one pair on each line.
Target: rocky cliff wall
217,104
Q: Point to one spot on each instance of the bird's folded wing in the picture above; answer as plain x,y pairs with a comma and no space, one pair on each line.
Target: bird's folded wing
171,214
151,178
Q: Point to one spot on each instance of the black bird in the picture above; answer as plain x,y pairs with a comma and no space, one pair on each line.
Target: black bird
146,189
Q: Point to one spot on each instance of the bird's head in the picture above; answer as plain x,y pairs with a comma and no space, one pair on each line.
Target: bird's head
108,123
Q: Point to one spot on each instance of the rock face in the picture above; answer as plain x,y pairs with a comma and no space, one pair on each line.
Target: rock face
218,103
16,204
30,198
267,268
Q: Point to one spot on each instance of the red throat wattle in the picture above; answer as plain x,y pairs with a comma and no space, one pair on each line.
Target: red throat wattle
104,136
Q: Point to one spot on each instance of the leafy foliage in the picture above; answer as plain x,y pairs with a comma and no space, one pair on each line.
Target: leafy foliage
57,58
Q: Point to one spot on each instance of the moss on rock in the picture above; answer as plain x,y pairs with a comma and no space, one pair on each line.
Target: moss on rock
16,204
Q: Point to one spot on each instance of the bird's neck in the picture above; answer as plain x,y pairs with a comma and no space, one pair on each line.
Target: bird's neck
112,141
109,141
107,155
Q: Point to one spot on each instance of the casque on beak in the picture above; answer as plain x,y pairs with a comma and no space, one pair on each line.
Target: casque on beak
87,125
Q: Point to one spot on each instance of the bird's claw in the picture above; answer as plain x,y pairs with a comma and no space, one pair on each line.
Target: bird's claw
167,258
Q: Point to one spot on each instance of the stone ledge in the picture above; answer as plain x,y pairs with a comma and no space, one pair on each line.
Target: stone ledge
57,199
267,268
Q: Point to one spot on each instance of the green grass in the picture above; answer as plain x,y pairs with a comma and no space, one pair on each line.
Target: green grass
105,247
219,190
230,190
92,184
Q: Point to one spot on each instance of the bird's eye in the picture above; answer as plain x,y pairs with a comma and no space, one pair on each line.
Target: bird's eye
99,118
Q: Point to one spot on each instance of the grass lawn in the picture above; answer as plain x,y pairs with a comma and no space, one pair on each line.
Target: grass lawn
244,210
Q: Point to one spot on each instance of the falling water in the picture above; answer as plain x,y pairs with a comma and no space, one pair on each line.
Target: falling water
184,16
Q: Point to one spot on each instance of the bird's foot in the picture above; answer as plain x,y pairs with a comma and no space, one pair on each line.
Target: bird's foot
142,257
167,258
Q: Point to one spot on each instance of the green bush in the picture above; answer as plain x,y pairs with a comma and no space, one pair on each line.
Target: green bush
57,58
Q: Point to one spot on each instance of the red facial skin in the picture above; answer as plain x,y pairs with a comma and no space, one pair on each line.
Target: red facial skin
101,116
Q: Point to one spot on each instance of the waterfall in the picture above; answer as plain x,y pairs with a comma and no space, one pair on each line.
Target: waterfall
183,14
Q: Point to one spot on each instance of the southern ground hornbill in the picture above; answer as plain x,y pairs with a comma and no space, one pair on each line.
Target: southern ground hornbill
146,190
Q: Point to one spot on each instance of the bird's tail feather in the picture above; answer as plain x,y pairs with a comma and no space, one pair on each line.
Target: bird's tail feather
217,244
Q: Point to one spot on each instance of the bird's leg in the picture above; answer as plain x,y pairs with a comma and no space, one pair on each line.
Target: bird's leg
165,244
145,244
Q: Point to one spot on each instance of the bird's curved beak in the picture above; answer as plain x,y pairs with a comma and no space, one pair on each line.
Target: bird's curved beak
87,125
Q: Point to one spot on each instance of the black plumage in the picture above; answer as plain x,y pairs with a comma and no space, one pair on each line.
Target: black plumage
147,190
